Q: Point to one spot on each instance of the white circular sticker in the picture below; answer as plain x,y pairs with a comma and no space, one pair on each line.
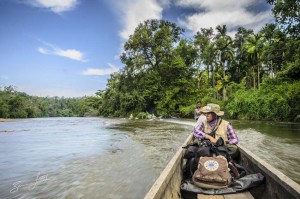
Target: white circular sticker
211,165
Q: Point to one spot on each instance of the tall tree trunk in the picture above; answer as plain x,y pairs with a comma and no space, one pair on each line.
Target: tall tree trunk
208,74
258,74
254,78
213,80
224,88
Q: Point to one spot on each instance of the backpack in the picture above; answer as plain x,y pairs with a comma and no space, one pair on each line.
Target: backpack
212,173
196,150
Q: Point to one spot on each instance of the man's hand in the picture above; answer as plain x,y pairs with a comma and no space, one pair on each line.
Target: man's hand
210,138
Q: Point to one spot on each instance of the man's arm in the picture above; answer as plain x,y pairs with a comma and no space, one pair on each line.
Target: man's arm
232,137
198,133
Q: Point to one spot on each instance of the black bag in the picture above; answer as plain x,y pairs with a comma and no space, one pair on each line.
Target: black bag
192,155
207,149
196,150
191,151
190,167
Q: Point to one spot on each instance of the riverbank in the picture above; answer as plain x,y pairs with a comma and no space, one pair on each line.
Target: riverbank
6,120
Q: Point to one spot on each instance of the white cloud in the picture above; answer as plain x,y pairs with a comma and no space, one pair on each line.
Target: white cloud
57,6
68,53
214,4
206,14
216,12
43,51
96,71
135,12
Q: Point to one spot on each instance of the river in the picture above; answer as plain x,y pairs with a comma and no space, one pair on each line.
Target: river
111,158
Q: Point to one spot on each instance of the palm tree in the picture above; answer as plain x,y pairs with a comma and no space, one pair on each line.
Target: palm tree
254,47
224,46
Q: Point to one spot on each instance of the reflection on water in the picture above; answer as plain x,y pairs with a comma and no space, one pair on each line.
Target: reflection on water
114,158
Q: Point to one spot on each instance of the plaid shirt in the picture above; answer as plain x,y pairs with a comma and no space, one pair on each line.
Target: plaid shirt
231,135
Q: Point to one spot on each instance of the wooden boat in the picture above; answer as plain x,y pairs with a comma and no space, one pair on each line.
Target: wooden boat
276,184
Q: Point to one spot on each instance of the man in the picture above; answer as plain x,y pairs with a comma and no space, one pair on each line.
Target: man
200,117
214,128
197,110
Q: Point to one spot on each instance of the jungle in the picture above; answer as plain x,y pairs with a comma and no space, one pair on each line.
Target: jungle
250,75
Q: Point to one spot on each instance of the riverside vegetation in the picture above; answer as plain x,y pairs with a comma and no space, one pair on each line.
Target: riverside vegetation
251,75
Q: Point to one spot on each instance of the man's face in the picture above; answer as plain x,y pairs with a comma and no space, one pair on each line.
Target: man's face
209,116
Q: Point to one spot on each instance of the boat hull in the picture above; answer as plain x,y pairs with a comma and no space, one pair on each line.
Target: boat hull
276,185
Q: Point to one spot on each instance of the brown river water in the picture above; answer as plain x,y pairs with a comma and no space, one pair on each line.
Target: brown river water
111,158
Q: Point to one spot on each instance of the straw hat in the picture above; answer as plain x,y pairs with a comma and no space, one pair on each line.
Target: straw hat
212,108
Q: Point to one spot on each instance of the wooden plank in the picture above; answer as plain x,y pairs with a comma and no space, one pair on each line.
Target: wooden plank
242,195
203,196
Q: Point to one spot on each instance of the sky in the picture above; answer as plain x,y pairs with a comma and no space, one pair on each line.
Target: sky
70,47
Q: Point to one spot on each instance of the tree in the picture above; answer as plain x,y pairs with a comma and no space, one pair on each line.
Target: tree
147,57
254,47
203,41
225,56
14,104
274,50
288,19
239,69
286,13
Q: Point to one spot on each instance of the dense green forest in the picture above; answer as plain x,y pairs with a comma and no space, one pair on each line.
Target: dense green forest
14,104
251,75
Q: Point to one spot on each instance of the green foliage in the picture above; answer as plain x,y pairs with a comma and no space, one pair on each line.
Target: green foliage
15,104
144,115
187,111
158,73
275,100
253,76
286,13
165,75
292,70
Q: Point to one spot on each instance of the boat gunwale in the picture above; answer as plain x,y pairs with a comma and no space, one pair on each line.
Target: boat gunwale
164,178
276,175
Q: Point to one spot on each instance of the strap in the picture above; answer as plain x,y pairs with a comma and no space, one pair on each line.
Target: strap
193,163
242,171
213,132
234,170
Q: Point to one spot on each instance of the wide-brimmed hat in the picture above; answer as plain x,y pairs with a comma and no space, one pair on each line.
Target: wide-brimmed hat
212,108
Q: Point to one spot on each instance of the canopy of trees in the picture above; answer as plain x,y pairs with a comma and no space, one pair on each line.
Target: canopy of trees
251,75
15,104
